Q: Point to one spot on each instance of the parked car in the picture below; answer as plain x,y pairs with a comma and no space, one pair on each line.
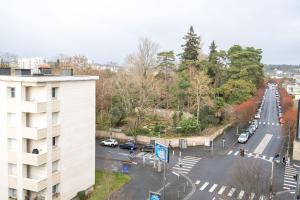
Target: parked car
257,115
128,145
243,138
250,131
148,148
254,127
110,142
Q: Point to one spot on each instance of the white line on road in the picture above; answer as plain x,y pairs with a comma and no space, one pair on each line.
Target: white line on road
250,154
241,194
287,178
178,168
175,173
252,196
264,123
204,186
263,157
213,188
271,159
197,182
296,165
236,153
222,190
229,152
257,155
192,157
289,182
289,185
184,166
230,193
187,164
262,197
268,123
273,124
262,145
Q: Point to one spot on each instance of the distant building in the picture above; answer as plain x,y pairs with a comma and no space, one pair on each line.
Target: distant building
110,67
47,140
31,63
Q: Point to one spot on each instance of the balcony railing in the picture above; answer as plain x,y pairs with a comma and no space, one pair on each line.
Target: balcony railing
34,133
34,159
55,130
34,184
34,107
55,178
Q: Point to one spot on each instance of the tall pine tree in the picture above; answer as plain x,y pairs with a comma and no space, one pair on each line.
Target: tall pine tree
191,47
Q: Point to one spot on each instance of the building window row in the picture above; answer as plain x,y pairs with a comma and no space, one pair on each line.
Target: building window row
11,92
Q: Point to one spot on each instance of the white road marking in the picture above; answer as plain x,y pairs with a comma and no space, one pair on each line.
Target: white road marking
289,182
230,193
285,184
271,159
188,162
252,195
139,154
178,168
184,166
229,152
250,154
259,122
257,155
192,157
204,186
197,182
287,178
268,123
213,188
236,153
182,172
277,124
241,194
263,157
264,123
262,197
262,145
222,190
175,173
296,165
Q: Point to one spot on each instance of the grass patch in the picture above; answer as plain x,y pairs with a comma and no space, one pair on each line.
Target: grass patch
106,183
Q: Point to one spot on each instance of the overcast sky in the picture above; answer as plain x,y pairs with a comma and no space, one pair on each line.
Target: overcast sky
108,30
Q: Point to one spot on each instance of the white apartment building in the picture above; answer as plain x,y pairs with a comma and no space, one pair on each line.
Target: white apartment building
31,63
47,136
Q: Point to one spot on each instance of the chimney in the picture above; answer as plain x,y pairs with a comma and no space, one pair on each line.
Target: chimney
23,72
5,71
67,72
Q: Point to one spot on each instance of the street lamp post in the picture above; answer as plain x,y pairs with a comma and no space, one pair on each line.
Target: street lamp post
271,180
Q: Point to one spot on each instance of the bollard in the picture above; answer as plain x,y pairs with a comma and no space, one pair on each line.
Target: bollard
173,152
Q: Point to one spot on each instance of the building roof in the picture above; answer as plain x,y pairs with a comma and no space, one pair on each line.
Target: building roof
46,78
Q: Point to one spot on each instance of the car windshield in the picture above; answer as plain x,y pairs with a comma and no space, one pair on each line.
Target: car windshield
243,135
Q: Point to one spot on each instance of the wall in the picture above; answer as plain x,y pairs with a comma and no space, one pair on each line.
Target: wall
191,141
77,138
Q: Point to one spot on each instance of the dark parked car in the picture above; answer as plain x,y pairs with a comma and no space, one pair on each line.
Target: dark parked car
148,148
127,145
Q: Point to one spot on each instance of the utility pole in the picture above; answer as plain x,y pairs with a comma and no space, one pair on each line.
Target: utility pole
271,180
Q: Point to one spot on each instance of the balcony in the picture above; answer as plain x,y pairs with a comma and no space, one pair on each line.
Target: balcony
34,185
55,178
34,159
34,133
55,106
12,181
34,107
55,130
55,154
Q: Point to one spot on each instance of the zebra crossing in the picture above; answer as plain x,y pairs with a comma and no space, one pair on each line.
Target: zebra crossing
269,123
289,183
185,165
226,191
148,156
263,157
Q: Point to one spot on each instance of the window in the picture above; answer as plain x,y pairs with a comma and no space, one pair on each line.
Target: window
55,166
54,92
12,192
11,92
12,144
54,141
12,169
55,189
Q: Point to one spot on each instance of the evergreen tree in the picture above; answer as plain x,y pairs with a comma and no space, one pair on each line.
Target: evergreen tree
191,47
166,61
212,52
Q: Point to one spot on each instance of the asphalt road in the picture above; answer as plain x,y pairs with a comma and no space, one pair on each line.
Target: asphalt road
210,175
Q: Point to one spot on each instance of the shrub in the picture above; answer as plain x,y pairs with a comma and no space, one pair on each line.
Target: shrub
81,195
189,126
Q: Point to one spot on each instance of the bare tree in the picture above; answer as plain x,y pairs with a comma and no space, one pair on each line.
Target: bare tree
250,175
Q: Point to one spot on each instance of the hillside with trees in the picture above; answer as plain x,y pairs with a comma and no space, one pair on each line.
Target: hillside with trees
155,94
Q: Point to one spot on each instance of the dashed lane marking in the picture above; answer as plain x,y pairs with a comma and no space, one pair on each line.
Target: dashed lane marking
241,194
236,153
197,182
229,152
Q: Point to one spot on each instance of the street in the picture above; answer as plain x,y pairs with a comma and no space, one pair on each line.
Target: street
198,173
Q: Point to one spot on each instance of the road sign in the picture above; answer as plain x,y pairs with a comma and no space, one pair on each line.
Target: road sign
154,196
125,168
162,152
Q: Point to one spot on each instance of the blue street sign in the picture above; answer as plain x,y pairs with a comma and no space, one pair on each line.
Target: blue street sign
125,168
154,196
162,152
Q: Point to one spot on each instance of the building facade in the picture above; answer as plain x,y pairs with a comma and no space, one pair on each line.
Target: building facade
31,63
47,136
